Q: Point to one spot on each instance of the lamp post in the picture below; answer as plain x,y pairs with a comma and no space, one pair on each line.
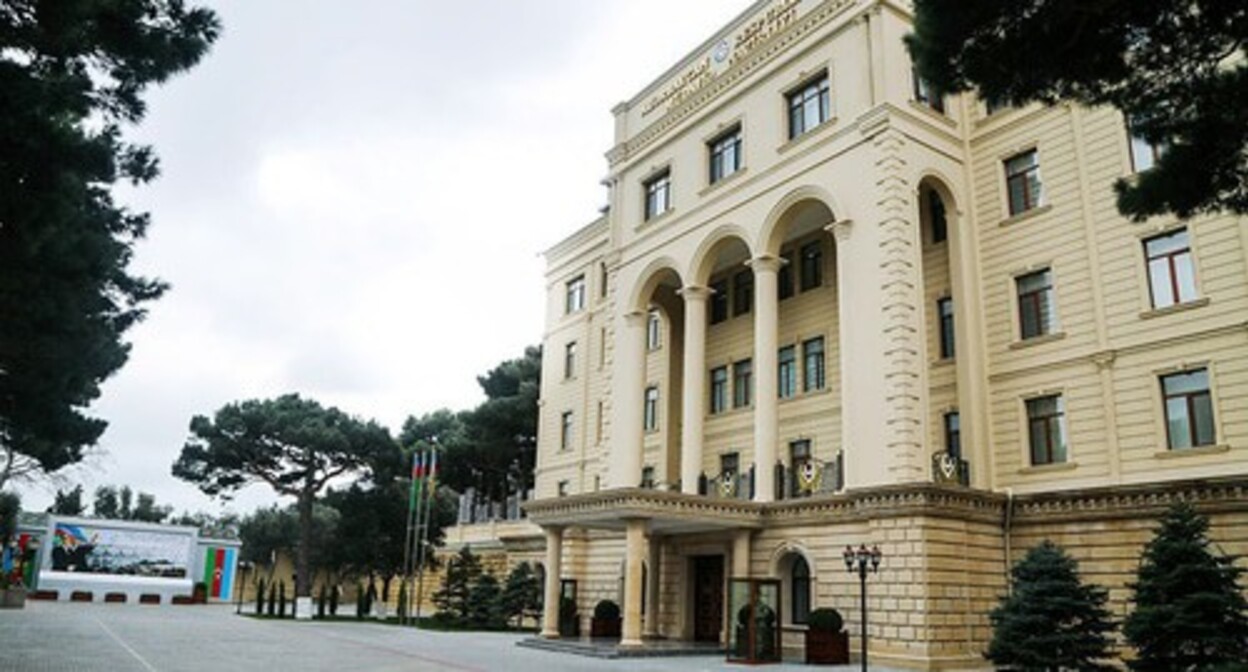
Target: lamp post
859,561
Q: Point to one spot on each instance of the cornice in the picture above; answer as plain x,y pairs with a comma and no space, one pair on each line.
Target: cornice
1149,500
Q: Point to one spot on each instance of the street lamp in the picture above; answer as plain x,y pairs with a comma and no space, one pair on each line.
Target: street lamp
858,561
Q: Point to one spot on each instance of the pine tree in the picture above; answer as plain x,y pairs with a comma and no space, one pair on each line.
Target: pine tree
402,610
272,598
281,599
1051,620
260,597
521,592
1190,612
453,597
485,609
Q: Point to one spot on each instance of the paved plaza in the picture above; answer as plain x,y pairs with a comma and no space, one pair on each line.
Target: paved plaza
75,637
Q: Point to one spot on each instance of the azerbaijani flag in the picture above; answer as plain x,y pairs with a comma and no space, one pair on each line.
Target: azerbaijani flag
418,473
219,572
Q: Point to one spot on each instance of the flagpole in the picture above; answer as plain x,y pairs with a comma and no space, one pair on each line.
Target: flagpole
413,507
407,535
422,530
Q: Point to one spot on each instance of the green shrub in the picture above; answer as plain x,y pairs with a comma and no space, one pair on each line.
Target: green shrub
320,603
260,597
825,619
281,599
607,610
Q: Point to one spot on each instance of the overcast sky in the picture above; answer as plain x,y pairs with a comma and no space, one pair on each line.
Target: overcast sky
353,201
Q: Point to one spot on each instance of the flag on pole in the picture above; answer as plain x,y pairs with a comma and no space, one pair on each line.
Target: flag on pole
418,473
433,472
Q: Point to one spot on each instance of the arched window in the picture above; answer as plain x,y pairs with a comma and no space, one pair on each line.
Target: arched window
799,589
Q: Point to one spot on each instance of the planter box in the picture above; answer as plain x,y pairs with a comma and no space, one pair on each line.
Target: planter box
82,596
13,598
183,599
149,598
827,648
113,598
48,595
605,627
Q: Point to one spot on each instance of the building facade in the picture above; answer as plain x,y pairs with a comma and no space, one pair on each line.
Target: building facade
828,306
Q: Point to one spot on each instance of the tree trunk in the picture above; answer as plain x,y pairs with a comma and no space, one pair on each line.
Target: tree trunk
303,584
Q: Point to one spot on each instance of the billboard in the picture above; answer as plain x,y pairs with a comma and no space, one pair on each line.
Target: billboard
98,549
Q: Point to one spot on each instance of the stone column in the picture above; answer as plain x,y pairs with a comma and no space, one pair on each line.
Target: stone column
766,413
554,572
653,576
635,543
628,399
741,554
693,410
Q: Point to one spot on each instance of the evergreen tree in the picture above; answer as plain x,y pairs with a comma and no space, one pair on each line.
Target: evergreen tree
320,602
485,609
68,502
333,600
273,599
1051,620
402,610
73,73
1190,612
453,597
281,599
521,593
260,597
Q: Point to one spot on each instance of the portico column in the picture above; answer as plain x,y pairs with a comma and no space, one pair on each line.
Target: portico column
628,398
554,571
766,414
692,410
652,586
635,548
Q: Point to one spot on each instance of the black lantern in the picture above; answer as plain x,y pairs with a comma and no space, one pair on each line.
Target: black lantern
859,561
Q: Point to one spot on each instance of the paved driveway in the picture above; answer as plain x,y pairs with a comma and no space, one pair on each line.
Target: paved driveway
56,637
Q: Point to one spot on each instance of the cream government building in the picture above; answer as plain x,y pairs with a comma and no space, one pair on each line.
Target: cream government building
827,306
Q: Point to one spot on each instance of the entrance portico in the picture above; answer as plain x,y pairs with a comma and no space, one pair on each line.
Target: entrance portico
646,517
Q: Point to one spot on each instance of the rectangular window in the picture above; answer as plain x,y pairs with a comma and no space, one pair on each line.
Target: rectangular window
809,106
603,277
725,155
1035,304
787,372
647,477
719,389
784,276
940,222
742,292
565,431
1189,409
953,434
812,358
1171,278
729,464
569,360
562,489
598,425
719,301
1046,430
742,383
1022,181
995,105
650,419
1144,154
574,300
658,194
926,94
944,308
812,265
654,331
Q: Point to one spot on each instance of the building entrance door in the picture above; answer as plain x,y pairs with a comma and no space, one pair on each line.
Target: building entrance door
708,597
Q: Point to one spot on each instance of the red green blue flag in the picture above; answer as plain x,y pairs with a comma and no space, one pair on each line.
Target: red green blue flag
219,571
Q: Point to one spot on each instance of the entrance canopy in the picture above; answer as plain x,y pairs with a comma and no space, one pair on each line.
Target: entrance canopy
667,512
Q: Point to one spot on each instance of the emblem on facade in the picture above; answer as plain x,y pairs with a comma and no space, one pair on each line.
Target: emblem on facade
721,51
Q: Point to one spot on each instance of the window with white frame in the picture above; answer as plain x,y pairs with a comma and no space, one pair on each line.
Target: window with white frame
574,297
742,383
787,372
926,94
654,331
658,194
650,419
569,359
1171,277
725,155
1189,409
565,431
1144,154
944,310
813,365
719,389
809,106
